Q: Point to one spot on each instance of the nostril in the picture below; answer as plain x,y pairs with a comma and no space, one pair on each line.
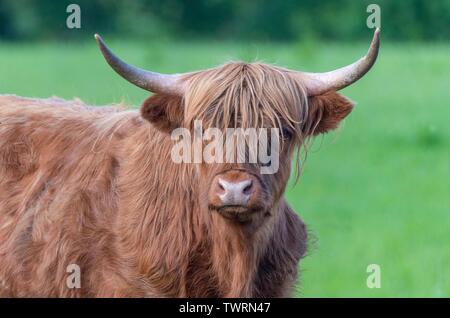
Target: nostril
248,187
220,185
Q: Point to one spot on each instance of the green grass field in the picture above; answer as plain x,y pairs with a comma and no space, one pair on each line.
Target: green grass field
375,191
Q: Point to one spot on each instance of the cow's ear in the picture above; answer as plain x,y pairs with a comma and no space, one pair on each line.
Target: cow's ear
325,112
165,112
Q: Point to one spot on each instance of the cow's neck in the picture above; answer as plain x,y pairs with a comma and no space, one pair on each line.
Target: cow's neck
179,247
235,255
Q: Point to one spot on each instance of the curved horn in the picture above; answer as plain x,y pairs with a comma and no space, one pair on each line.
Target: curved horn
319,83
150,81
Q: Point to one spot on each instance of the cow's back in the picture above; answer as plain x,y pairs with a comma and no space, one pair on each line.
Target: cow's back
57,191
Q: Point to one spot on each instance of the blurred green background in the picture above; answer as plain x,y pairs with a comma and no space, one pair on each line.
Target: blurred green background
376,191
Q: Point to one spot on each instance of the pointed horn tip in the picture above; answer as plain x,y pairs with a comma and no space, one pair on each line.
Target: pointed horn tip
102,46
99,39
374,45
344,76
376,34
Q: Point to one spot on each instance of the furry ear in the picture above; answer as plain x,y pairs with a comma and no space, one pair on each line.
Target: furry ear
165,112
326,112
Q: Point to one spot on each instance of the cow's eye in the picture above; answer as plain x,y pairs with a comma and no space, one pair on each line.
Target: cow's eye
287,134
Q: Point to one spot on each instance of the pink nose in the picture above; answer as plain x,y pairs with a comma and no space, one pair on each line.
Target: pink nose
234,193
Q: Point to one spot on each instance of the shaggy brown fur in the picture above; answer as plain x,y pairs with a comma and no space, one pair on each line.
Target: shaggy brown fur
97,187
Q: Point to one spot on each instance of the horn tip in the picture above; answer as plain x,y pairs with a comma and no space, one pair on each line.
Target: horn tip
376,37
98,38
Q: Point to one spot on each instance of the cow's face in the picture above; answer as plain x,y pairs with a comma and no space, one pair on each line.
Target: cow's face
249,98
241,95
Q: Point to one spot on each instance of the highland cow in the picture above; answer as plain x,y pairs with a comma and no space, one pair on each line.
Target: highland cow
96,186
